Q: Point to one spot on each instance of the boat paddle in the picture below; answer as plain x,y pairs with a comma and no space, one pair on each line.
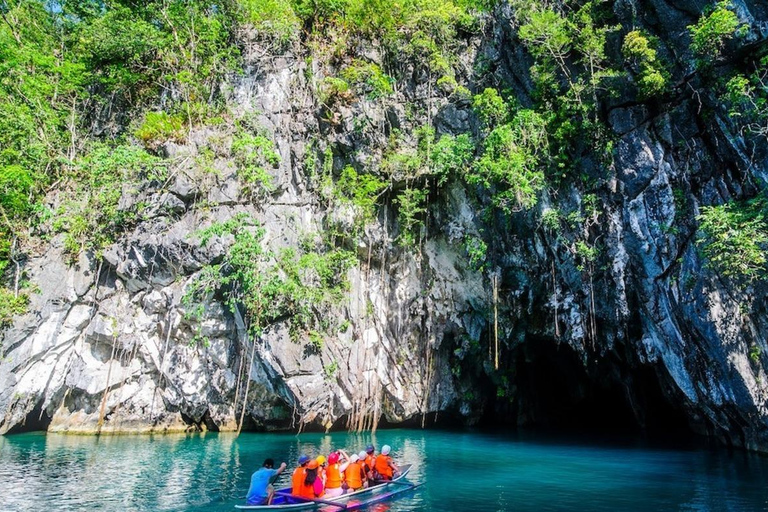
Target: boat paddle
316,500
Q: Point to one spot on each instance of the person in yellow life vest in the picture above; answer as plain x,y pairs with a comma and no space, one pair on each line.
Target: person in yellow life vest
384,467
335,473
297,479
355,475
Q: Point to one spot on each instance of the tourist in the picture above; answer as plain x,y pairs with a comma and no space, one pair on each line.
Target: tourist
370,459
261,491
334,472
321,469
297,480
312,487
355,475
384,468
362,456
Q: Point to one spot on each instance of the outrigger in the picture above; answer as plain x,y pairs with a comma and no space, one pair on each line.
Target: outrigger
383,490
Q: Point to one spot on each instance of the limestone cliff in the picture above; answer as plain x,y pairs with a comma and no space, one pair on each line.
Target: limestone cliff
642,331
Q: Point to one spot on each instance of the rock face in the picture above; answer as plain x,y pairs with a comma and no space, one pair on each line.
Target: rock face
647,336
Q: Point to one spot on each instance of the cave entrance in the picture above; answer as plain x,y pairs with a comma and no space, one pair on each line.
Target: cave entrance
36,421
557,391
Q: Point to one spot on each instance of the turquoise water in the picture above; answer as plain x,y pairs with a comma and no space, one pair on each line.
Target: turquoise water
461,471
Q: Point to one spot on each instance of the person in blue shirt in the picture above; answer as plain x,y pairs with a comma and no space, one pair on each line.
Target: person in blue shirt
261,491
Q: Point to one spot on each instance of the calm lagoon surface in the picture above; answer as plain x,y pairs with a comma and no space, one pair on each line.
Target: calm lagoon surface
461,471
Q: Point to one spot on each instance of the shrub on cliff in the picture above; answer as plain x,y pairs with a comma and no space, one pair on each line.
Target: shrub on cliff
710,33
275,19
734,238
11,305
640,53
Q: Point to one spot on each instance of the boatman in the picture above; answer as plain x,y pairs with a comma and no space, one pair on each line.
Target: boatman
297,480
261,491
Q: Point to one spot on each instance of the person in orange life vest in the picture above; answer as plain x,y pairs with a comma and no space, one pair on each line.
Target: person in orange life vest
366,468
322,466
384,466
370,459
313,485
297,479
355,475
335,473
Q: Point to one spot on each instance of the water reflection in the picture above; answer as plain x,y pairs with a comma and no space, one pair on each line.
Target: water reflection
461,471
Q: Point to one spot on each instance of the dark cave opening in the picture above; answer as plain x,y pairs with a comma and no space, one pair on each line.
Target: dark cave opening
36,421
556,391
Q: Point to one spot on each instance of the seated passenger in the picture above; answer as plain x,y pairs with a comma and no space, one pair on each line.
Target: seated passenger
368,469
297,480
355,474
370,460
334,472
322,465
313,484
384,467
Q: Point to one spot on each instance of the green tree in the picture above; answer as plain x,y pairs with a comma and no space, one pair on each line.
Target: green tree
512,162
412,205
710,33
734,237
640,54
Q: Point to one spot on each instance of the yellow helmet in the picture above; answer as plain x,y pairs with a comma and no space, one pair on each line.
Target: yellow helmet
320,460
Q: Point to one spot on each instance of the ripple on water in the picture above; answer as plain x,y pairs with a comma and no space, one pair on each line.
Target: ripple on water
461,471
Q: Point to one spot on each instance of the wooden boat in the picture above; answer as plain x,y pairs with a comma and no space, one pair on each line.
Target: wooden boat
283,499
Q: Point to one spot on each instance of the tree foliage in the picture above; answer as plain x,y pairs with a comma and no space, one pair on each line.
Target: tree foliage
734,238
268,286
640,54
710,33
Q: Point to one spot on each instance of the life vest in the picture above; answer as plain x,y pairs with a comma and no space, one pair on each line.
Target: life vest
297,480
307,490
354,475
369,460
333,476
382,466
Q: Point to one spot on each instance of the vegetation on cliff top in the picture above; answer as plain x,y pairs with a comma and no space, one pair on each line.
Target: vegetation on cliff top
84,84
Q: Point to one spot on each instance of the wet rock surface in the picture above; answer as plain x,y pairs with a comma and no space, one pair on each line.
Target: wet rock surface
108,344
